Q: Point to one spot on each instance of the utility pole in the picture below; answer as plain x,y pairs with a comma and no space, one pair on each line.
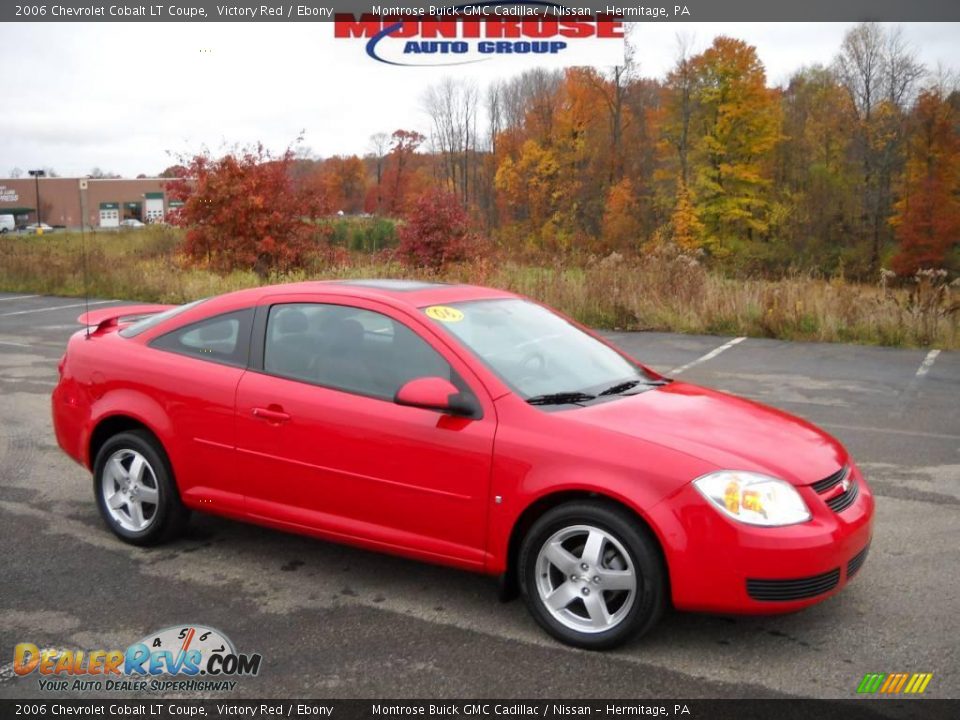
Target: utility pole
36,175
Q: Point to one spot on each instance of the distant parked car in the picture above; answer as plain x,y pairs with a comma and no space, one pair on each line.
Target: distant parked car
7,223
34,227
131,223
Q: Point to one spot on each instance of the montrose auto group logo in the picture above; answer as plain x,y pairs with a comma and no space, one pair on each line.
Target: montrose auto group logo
176,659
474,33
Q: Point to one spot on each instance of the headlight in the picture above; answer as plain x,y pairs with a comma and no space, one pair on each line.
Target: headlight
753,498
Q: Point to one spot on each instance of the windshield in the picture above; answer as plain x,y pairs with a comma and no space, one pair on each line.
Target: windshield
537,353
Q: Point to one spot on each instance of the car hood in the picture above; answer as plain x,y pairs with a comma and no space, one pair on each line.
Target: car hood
729,432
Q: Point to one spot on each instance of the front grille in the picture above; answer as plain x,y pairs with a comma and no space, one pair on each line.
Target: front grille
798,589
856,562
841,502
822,486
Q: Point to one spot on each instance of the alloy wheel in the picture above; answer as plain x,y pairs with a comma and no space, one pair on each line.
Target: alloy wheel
131,494
586,579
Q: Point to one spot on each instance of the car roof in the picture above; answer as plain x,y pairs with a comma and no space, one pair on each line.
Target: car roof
396,292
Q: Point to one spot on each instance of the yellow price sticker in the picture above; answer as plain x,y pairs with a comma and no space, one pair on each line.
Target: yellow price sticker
444,313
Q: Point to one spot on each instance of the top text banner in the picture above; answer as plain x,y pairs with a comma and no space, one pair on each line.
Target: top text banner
313,11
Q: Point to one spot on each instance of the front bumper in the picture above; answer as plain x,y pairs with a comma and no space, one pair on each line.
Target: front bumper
719,565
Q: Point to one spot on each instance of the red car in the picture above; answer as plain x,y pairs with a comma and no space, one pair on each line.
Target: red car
465,426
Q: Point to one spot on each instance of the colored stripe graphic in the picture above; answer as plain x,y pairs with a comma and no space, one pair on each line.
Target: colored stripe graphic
871,682
894,683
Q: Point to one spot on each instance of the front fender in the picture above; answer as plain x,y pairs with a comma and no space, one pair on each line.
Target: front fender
524,486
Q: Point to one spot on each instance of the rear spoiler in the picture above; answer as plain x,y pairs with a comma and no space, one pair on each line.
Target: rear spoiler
109,317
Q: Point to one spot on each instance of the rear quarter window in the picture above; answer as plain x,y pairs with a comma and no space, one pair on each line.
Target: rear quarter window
222,339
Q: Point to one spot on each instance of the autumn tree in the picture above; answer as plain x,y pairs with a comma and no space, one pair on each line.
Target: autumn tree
879,72
679,91
528,187
612,89
436,232
686,228
403,148
927,216
342,181
173,171
621,222
242,210
641,136
760,178
583,147
817,174
737,120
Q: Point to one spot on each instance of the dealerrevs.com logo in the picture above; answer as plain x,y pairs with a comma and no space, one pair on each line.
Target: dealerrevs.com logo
465,34
181,658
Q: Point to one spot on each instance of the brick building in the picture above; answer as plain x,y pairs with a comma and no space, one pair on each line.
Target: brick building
99,203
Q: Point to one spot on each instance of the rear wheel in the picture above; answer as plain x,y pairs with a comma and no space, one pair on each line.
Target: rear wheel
135,491
591,575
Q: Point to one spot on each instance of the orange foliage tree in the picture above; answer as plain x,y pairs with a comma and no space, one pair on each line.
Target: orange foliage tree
343,182
621,225
400,169
927,217
686,226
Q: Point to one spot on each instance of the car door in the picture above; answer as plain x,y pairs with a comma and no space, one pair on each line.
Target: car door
323,446
198,367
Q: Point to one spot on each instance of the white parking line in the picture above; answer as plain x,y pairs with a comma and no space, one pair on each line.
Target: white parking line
927,363
891,431
58,307
18,297
709,356
14,344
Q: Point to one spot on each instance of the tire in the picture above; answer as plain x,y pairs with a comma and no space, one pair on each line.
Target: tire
576,550
144,506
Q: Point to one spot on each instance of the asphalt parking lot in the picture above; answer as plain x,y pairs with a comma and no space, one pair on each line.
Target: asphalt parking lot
332,621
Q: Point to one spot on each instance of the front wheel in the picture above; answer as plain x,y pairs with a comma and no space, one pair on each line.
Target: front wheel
591,575
135,491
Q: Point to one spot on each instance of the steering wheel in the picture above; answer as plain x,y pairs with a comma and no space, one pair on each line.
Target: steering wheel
532,365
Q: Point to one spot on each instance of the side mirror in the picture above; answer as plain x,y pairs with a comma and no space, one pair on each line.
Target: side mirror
434,393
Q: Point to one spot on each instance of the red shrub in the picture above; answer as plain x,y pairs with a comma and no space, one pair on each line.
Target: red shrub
244,211
436,232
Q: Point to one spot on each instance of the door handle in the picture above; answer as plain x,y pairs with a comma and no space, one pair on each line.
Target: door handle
271,416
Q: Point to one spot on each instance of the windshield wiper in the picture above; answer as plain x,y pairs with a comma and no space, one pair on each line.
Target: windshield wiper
561,398
622,387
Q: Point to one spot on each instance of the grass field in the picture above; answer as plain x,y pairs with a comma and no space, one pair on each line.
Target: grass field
669,293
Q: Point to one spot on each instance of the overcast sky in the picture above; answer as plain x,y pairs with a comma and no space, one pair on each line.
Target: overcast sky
121,96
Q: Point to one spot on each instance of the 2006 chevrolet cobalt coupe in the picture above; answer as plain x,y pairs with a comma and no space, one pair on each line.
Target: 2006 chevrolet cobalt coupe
465,426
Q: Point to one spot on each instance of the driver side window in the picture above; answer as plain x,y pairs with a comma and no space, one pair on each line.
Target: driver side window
347,348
